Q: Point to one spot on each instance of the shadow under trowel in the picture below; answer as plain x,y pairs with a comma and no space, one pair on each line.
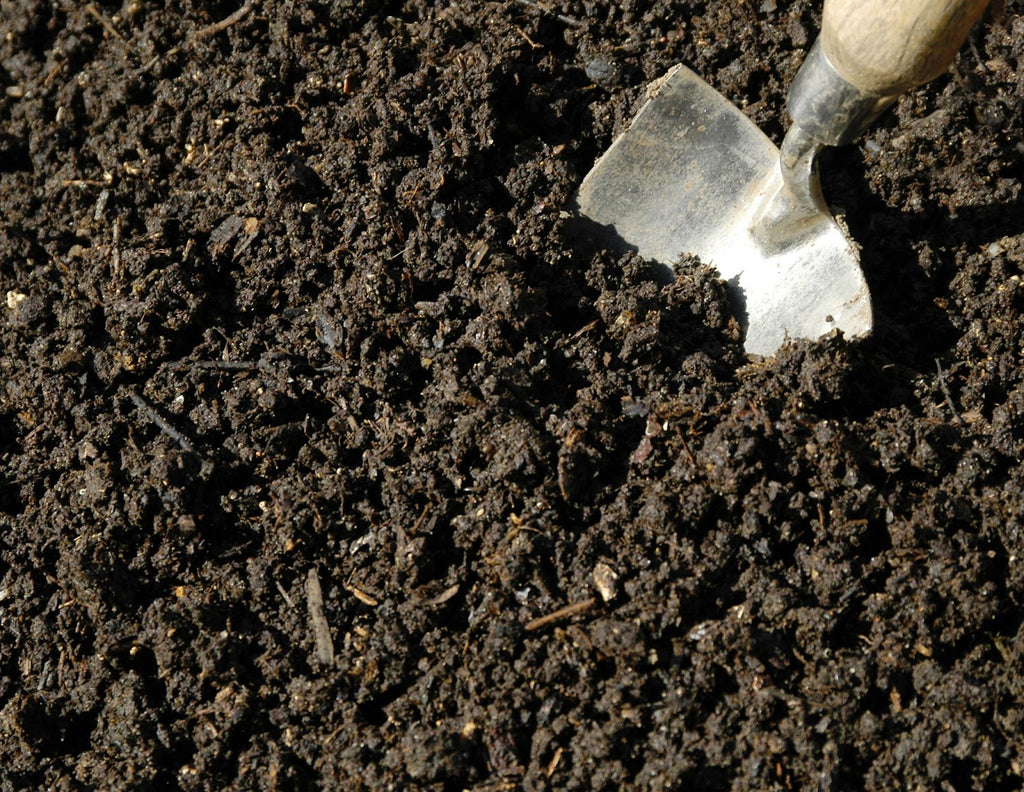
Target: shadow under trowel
908,282
590,239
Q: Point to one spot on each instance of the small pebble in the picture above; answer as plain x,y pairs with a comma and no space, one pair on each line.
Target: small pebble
603,71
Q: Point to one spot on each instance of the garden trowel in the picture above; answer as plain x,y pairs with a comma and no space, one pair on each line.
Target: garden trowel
693,175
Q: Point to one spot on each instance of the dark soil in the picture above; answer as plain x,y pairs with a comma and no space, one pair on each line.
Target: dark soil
327,460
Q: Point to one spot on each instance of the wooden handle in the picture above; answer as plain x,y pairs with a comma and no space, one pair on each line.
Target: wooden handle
886,47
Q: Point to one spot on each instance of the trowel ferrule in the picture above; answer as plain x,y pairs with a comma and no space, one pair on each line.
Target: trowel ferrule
826,106
827,110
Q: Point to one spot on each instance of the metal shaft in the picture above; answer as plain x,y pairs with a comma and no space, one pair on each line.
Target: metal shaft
827,111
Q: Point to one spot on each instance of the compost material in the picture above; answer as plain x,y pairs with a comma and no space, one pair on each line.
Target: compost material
330,459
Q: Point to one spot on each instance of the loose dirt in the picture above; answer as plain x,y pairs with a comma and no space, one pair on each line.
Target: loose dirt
328,460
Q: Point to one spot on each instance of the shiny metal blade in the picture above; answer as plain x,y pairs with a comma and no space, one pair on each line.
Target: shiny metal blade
692,174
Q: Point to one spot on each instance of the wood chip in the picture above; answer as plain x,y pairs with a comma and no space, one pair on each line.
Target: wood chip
441,598
318,620
553,764
606,581
362,596
224,234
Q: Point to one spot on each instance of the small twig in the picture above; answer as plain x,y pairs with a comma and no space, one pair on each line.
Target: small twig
567,20
113,31
156,58
686,447
553,764
562,613
944,387
210,30
216,365
401,252
243,366
115,264
330,737
224,24
533,44
280,588
424,513
185,444
83,183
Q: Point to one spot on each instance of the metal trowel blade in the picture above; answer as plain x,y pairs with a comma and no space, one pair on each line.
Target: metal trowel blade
691,175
